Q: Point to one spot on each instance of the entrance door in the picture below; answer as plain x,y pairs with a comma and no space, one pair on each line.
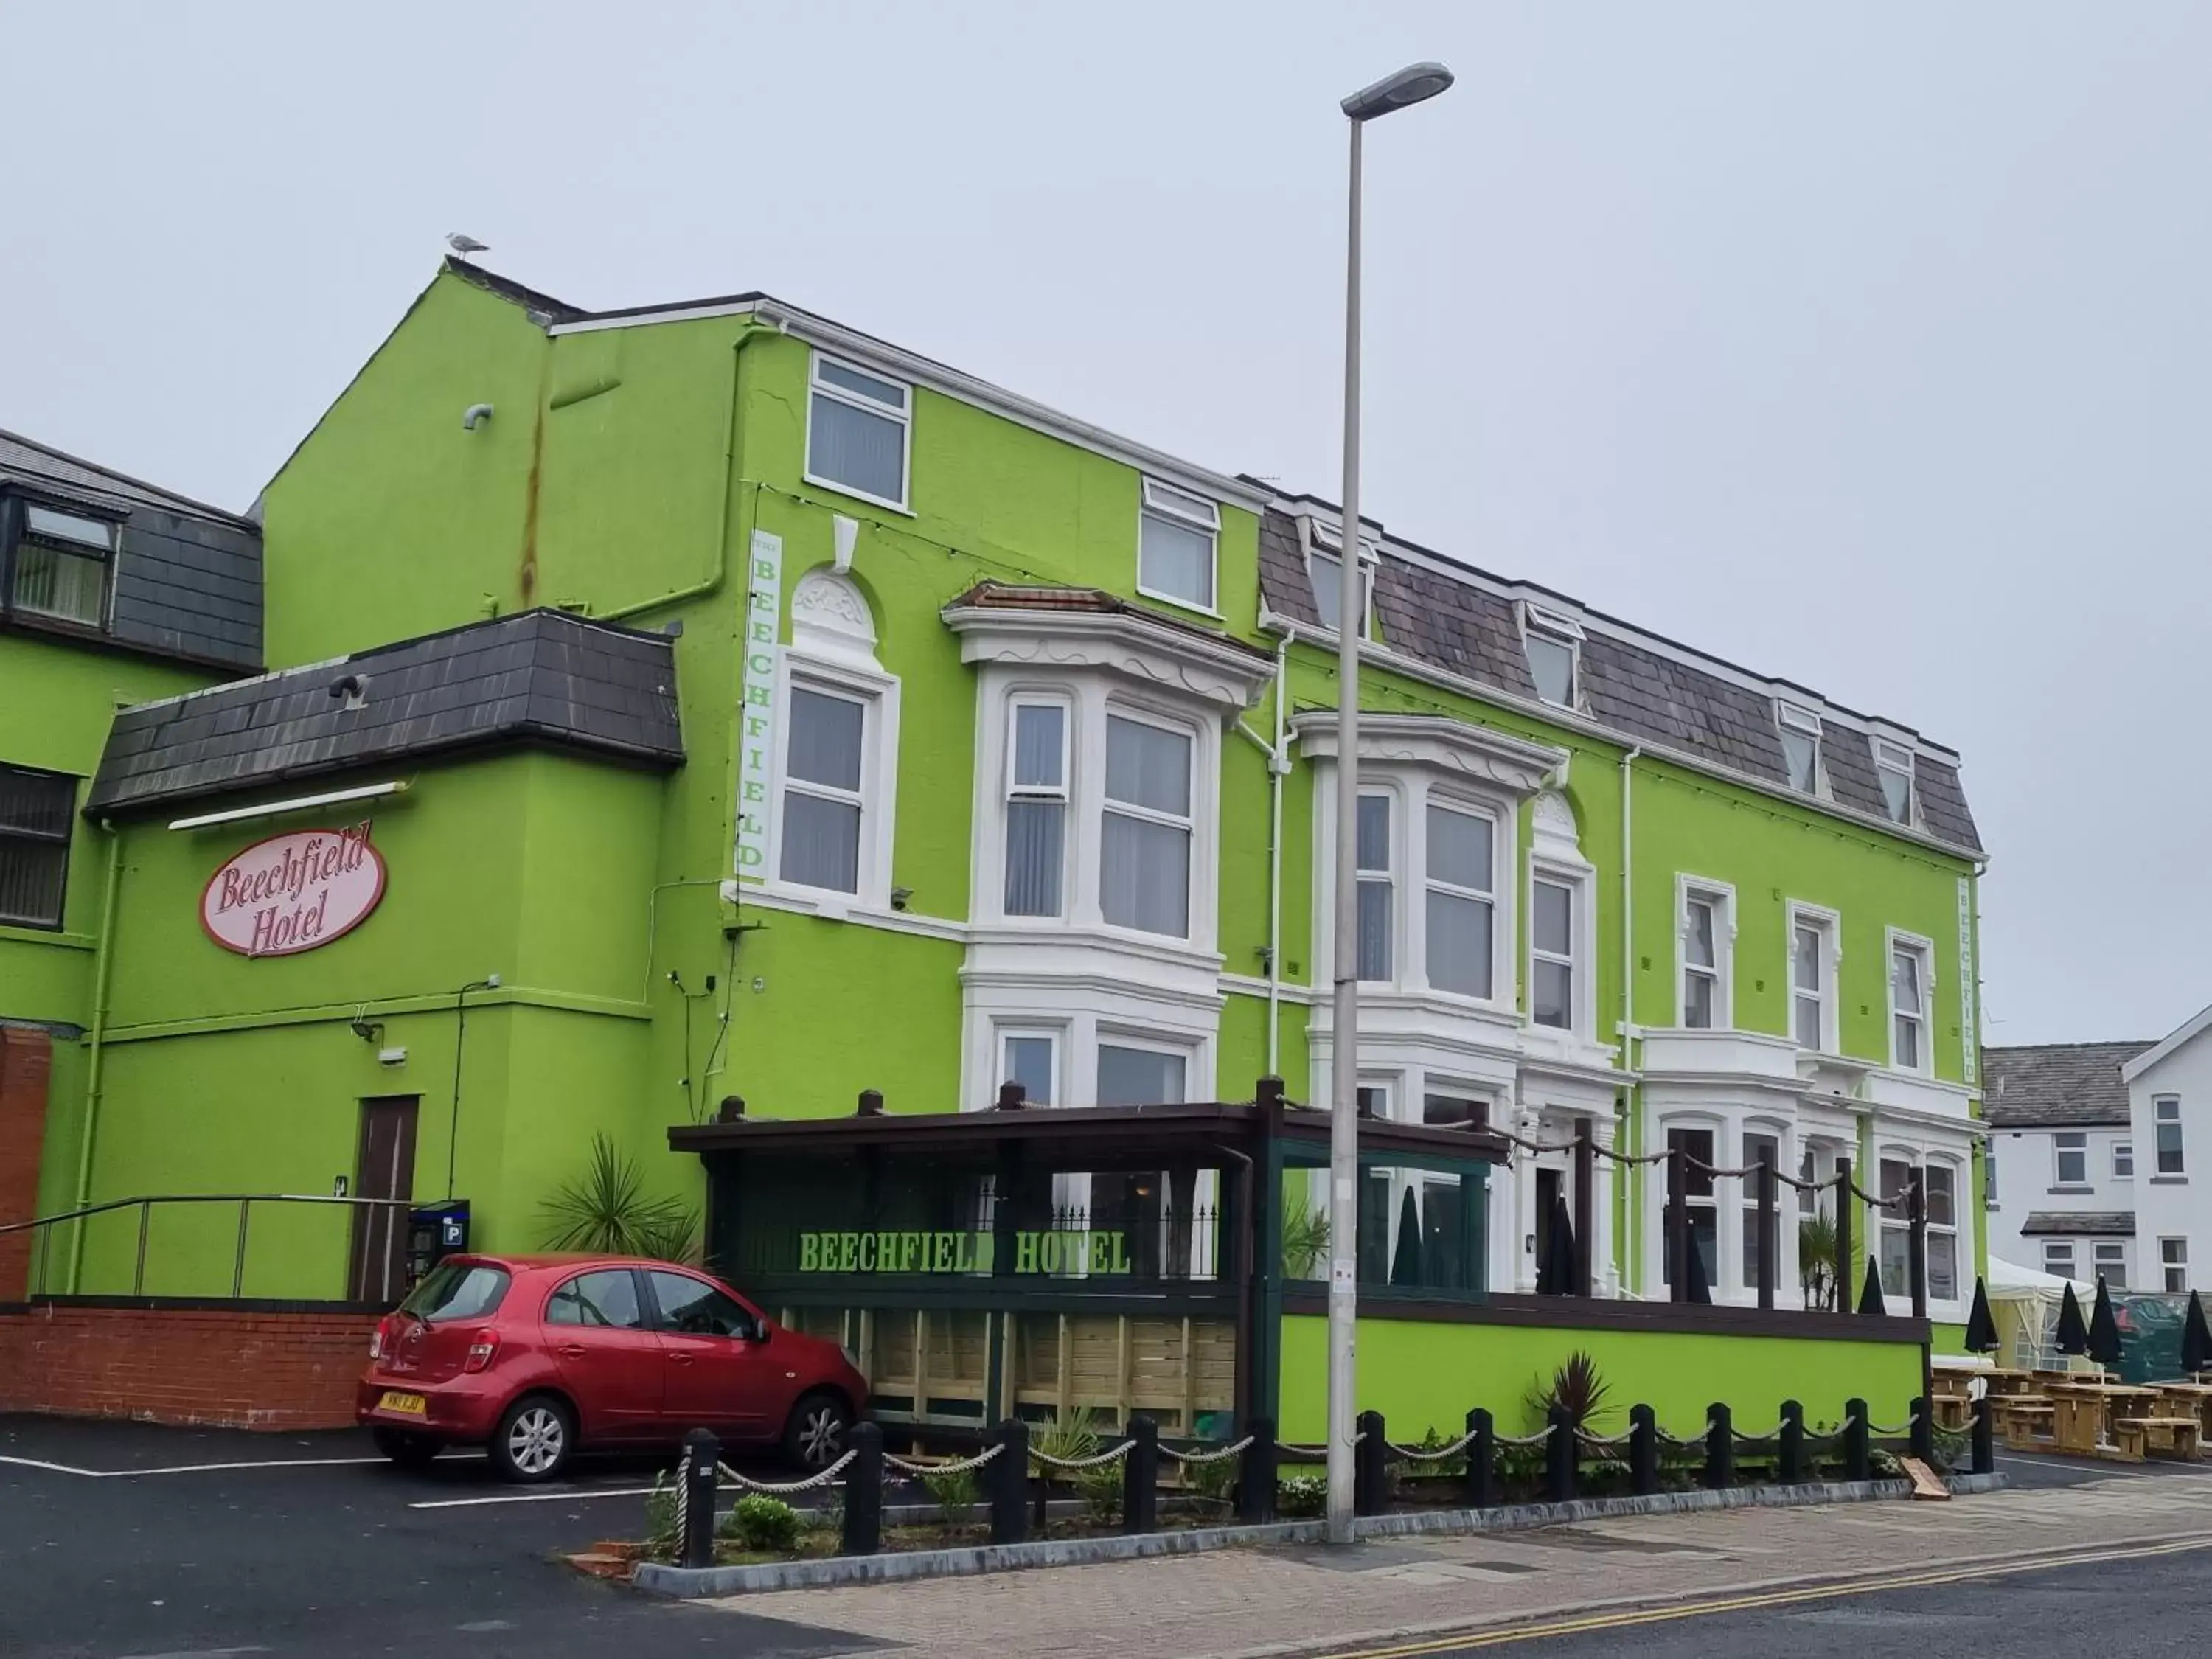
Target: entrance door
384,1168
1548,1188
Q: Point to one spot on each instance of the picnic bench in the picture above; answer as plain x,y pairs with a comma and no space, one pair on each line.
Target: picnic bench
2023,1421
2138,1438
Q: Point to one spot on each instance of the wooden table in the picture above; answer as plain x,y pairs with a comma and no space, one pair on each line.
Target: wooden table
2083,1414
2187,1400
2003,1382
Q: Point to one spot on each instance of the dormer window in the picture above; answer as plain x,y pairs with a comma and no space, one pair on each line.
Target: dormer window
63,566
1553,642
1893,765
1801,746
1325,567
1177,536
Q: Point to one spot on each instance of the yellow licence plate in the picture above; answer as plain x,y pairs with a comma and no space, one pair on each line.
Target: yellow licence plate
413,1405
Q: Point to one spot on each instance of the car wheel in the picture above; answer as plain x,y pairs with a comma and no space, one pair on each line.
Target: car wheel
405,1447
534,1438
818,1431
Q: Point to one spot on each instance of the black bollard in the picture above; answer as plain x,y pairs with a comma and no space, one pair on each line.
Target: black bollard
1720,1448
1007,1478
1923,1431
1481,1460
1255,1475
1560,1450
1140,1477
1858,1452
864,1492
1984,1437
702,1457
1789,1456
1371,1466
1642,1451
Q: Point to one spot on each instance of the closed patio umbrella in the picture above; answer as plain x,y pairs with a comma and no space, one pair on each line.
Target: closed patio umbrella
1406,1260
2073,1333
1870,1300
2196,1338
1981,1329
2104,1329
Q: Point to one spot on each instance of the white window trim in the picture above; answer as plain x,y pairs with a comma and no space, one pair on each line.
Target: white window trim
2128,1147
1582,1016
1896,939
1178,506
1806,723
1783,1134
1392,875
1722,896
1119,707
2167,1265
1561,629
1411,791
1896,758
2180,1125
2099,1261
1090,696
1325,542
2049,1245
1065,793
1898,1298
1831,926
1109,1035
1722,1286
817,387
1004,1031
2058,1154
878,693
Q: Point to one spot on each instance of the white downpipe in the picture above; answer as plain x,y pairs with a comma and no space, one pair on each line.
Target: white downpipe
1631,1219
1279,766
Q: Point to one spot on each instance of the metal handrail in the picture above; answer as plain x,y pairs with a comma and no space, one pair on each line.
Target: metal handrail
144,1205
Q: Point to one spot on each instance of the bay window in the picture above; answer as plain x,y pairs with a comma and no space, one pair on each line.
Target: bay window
1371,852
1942,1211
1030,1059
1758,1148
1036,808
1896,1229
1145,841
1700,1203
1460,911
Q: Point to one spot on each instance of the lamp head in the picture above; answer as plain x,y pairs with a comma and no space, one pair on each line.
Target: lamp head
1416,83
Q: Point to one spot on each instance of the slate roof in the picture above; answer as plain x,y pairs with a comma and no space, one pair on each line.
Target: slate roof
539,676
187,578
2065,1085
2107,1223
1643,694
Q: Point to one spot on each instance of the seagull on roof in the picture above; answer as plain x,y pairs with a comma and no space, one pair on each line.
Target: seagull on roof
466,244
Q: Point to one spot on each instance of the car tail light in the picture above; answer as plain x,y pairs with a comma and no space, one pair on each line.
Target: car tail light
380,1338
484,1347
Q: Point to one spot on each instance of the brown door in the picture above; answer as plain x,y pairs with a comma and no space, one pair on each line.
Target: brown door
385,1168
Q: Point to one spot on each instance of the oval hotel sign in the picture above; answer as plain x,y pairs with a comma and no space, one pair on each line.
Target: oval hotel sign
291,893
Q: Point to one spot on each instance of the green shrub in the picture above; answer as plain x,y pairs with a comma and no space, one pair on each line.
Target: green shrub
954,1492
762,1523
1100,1489
1215,1479
1067,1437
1300,1495
1420,1468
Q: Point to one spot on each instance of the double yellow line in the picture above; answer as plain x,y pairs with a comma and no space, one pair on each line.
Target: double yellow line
1626,1618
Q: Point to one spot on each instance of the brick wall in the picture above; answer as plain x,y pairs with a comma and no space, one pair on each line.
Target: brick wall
25,1056
238,1366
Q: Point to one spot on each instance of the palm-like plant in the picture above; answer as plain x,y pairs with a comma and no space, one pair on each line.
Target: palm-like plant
606,1210
1816,1261
1305,1239
1576,1386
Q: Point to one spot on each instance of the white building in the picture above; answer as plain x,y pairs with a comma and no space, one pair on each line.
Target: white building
2169,1098
2064,1172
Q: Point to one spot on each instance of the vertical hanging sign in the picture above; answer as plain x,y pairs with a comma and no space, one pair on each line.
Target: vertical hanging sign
756,727
1969,1032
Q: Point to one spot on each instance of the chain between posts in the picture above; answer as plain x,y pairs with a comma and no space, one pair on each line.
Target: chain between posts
1215,1456
951,1467
780,1488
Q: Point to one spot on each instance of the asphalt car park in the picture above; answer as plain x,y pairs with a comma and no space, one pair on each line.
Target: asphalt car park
125,1539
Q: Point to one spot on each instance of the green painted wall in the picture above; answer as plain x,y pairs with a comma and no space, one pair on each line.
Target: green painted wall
1421,1374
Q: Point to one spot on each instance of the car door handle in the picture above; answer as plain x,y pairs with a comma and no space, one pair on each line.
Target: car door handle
574,1351
679,1359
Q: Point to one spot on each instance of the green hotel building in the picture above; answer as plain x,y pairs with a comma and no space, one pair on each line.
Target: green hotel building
671,724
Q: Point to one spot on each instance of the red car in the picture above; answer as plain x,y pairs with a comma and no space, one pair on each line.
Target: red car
536,1357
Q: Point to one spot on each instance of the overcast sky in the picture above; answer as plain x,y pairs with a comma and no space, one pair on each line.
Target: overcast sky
1868,347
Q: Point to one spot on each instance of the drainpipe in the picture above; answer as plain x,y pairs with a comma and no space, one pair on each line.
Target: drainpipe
720,563
1627,1251
1278,764
102,976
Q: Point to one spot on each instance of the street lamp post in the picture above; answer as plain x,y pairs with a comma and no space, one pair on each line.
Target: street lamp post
1411,85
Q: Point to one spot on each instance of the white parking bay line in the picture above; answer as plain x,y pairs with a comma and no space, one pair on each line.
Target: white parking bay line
533,1497
189,1468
